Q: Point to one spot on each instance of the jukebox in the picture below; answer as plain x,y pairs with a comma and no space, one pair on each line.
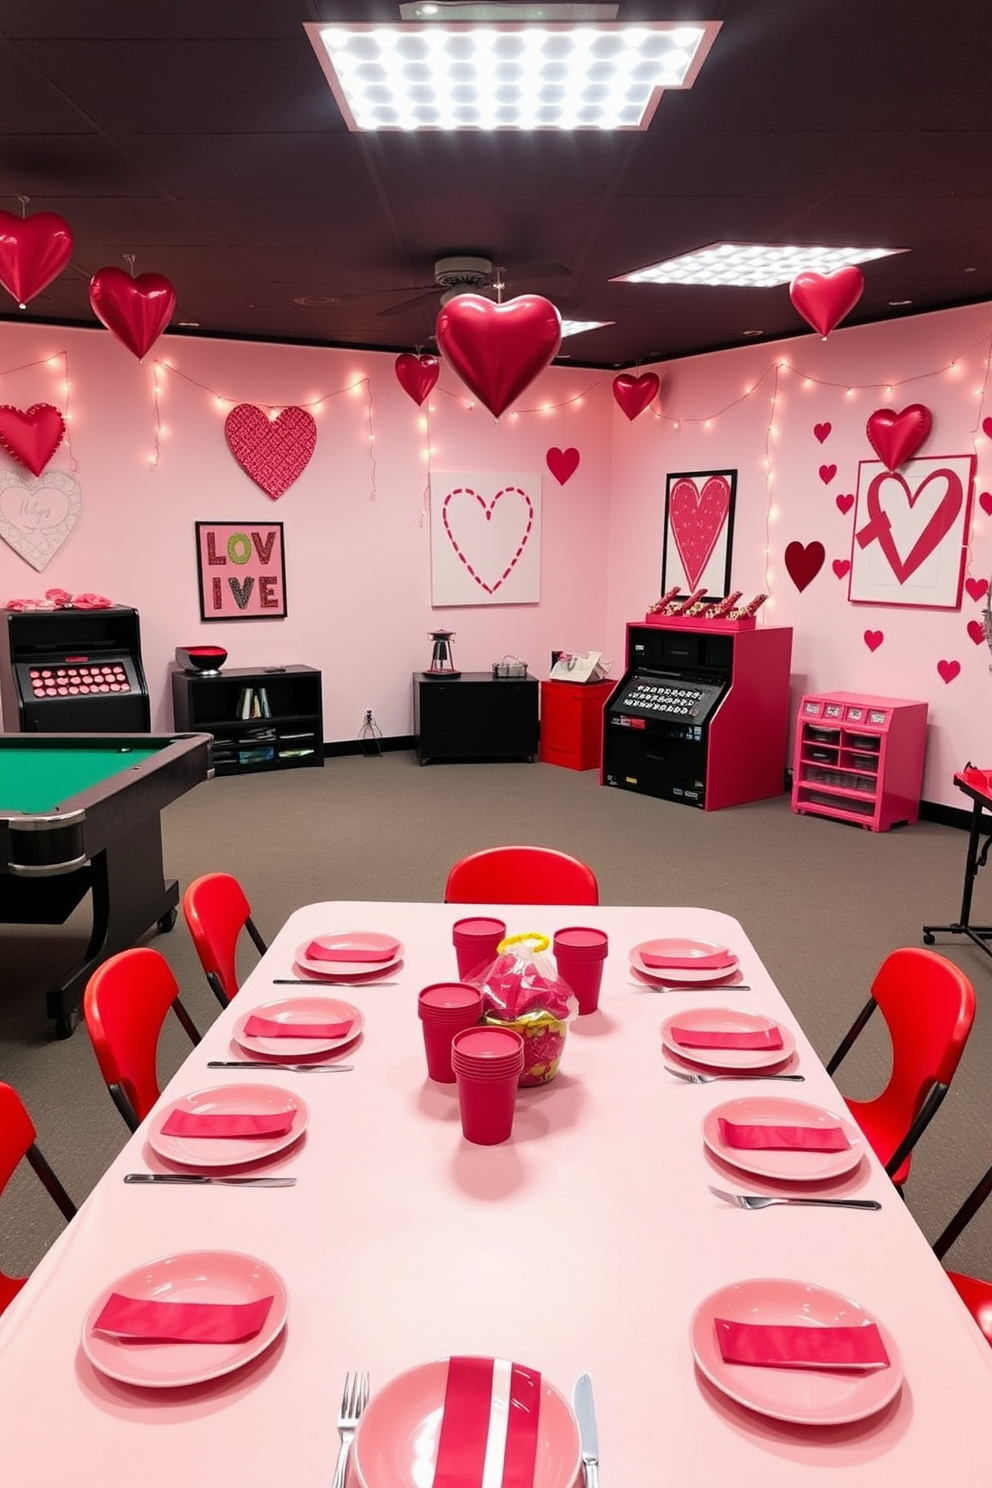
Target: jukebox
73,672
702,712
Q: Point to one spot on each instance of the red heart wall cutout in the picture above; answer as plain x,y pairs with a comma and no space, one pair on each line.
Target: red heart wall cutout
824,299
634,394
985,502
416,375
803,563
977,588
987,427
136,311
697,519
845,502
32,437
895,437
272,451
563,463
821,431
977,631
33,250
948,670
498,350
841,567
873,639
827,473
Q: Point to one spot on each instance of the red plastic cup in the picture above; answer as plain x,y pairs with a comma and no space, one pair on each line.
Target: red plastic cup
475,941
487,1063
446,1008
579,955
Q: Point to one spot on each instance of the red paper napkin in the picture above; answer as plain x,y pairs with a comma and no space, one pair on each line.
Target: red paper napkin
461,1448
258,1027
787,1346
316,951
227,1124
783,1138
711,1038
182,1322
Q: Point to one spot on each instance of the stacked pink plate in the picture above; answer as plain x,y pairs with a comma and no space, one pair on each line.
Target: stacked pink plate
689,962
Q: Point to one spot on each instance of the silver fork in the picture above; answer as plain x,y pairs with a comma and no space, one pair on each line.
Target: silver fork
353,1401
698,1079
762,1201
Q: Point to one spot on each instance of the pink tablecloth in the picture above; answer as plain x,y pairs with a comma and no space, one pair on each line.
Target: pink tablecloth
583,1244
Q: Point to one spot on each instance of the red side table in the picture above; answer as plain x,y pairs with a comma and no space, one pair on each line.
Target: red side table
572,723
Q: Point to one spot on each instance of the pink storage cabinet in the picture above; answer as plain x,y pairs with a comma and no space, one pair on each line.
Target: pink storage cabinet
859,758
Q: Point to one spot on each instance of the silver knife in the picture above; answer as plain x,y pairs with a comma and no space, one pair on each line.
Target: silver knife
585,1412
275,1064
203,1178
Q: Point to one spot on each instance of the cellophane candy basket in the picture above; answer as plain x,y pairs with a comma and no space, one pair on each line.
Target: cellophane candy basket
522,990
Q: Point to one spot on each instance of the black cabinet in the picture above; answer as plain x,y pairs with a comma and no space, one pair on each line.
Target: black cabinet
475,716
261,719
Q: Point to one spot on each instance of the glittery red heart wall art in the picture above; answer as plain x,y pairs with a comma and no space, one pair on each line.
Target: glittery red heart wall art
273,452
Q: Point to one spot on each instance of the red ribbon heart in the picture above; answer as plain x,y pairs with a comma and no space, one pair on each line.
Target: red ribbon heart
272,451
895,437
33,250
416,375
136,311
498,350
563,463
633,394
824,299
803,563
879,525
31,438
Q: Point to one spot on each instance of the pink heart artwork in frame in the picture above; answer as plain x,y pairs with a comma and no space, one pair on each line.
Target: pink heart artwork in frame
697,518
503,526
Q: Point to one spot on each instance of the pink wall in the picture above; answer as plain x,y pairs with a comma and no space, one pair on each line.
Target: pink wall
708,419
357,555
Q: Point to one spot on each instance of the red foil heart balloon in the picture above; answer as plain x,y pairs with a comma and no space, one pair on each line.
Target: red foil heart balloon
416,375
895,437
824,299
32,437
33,250
498,350
136,311
633,394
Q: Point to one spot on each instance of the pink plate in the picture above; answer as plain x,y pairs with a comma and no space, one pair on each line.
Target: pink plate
306,1009
197,1276
726,1020
687,955
366,947
396,1442
722,977
352,971
802,1167
810,1397
228,1100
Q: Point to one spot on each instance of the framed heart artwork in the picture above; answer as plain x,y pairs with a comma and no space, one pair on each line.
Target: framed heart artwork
699,530
911,530
485,537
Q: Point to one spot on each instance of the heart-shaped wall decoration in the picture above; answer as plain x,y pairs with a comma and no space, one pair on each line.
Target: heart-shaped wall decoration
416,375
873,639
136,311
498,350
634,394
697,518
948,670
976,631
910,523
845,502
274,452
985,502
977,588
803,562
895,437
563,463
33,251
36,516
31,437
827,473
822,431
824,299
841,567
499,529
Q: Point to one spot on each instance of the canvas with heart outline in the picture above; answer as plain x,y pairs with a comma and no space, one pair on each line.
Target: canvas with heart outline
485,537
910,532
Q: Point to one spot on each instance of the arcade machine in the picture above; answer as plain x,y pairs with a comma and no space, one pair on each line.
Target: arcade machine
73,671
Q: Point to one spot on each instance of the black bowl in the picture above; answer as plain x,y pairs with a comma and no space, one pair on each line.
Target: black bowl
208,659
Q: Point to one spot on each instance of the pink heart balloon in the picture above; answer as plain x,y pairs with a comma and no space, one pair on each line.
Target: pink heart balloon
895,437
498,350
824,299
633,394
31,438
33,250
136,311
416,375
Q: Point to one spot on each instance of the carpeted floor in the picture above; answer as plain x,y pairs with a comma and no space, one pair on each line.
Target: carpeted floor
822,902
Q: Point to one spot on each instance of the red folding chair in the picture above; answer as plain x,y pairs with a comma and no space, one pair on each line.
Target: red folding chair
19,1140
521,875
125,1004
929,1007
216,912
974,1293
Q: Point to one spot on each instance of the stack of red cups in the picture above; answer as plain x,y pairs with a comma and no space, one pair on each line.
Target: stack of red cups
446,1008
475,940
487,1063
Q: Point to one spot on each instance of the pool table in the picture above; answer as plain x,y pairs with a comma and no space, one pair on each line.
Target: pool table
80,813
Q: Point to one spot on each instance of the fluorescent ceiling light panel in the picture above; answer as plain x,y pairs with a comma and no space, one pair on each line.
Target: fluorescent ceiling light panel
507,76
750,265
576,327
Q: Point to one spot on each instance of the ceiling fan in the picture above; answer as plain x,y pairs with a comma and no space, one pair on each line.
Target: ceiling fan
461,273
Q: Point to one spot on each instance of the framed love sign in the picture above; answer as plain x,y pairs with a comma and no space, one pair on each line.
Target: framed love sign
699,530
910,532
242,570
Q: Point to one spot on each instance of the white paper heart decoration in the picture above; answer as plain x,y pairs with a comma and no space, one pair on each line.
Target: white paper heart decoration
37,513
